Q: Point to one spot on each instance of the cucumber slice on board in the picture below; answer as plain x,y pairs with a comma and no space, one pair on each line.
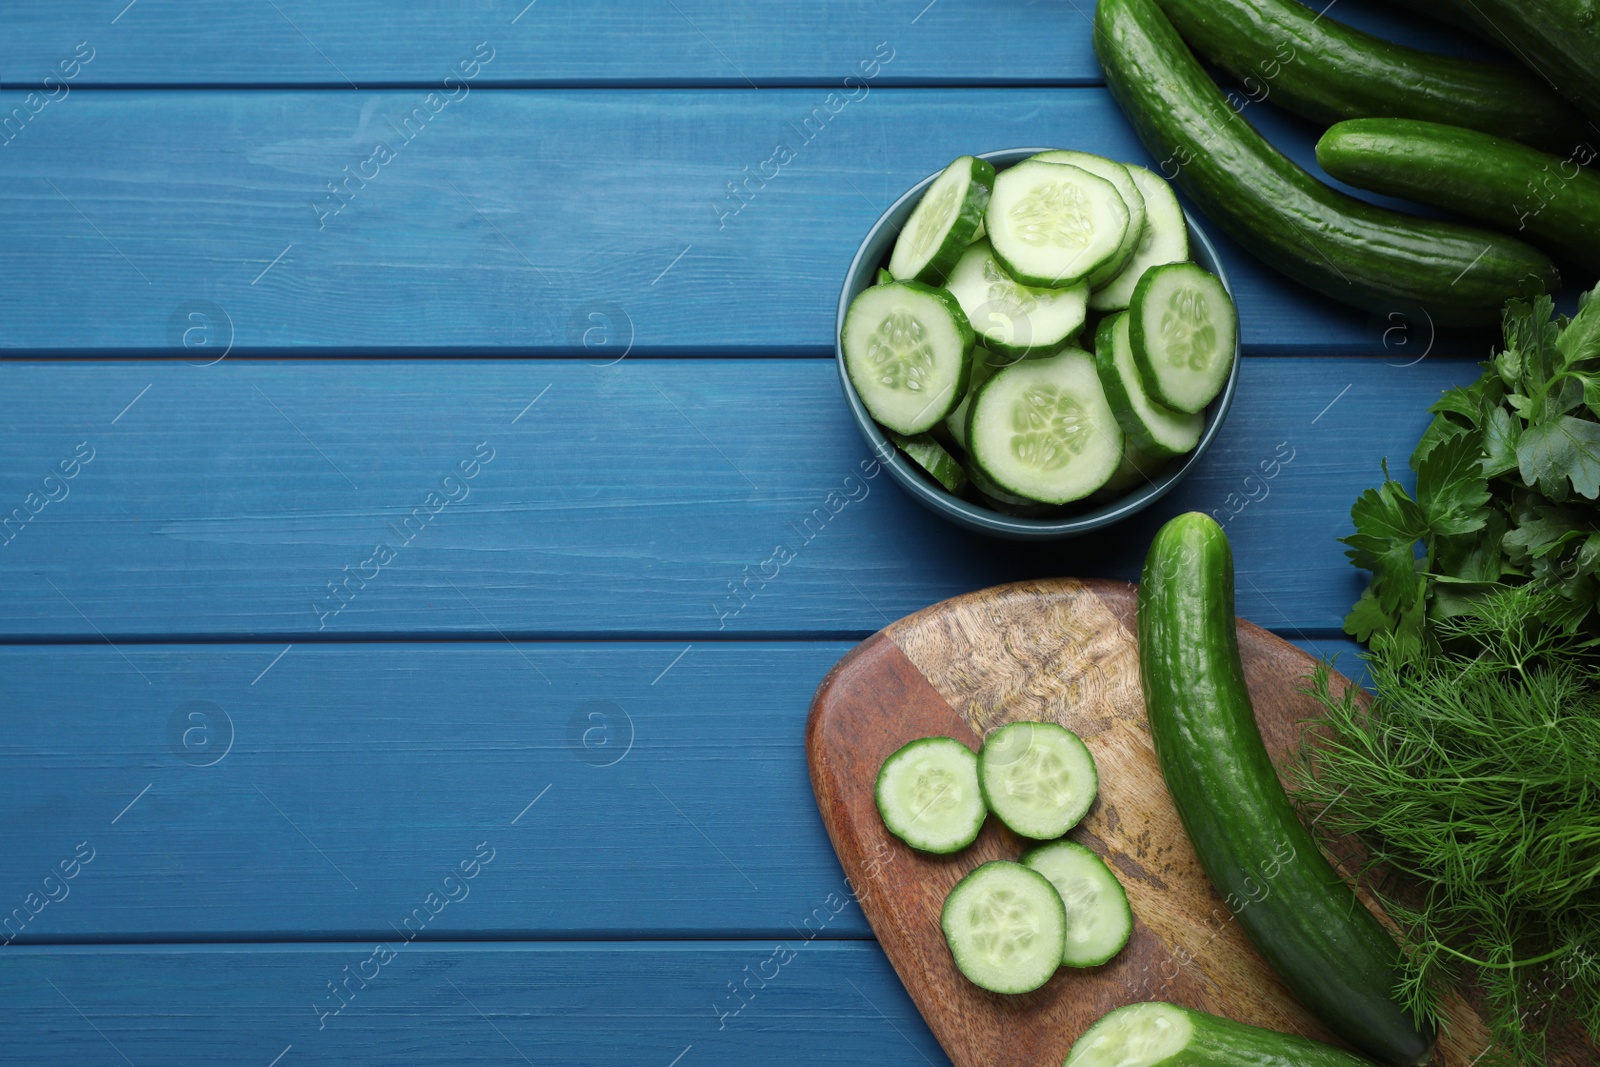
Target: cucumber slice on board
943,222
1182,327
1011,318
1117,175
1052,224
928,795
1156,430
907,350
1006,927
1043,429
1037,777
1099,921
1165,240
931,456
984,364
1164,1035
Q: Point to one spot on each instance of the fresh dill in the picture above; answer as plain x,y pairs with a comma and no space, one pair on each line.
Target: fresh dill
1472,779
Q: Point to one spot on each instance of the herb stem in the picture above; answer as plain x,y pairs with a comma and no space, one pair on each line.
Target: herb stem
1510,964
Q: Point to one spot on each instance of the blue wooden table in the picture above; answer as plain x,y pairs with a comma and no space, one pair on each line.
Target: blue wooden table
398,404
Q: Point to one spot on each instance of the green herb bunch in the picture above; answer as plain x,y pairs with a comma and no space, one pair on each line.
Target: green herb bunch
1473,780
1508,475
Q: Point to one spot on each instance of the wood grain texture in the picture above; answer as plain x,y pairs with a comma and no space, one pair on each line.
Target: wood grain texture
552,42
570,1004
517,222
1063,651
639,499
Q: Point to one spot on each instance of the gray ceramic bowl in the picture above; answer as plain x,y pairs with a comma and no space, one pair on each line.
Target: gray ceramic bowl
1074,519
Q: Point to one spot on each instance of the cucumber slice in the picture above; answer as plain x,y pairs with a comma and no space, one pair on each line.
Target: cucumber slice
906,350
1099,921
931,456
1182,327
942,224
1117,175
980,233
1156,430
928,795
1165,240
1137,468
1052,224
1037,777
1043,429
1010,318
984,364
993,497
1006,927
1164,1035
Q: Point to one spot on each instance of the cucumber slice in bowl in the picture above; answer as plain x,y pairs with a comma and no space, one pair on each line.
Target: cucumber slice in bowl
1154,1034
1182,328
1010,318
932,457
1006,927
942,225
984,364
1099,921
1156,430
1117,174
1043,429
1165,239
928,795
1037,777
1052,224
907,349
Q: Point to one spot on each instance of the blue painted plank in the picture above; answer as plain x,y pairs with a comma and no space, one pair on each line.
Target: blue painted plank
315,499
232,792
510,222
624,42
425,1005
368,43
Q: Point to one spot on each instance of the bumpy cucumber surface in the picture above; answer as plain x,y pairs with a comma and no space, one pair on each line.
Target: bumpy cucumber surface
1347,249
1164,1035
1300,914
1300,58
1560,37
1551,200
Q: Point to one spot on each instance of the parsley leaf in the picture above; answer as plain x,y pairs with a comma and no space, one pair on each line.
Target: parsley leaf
1562,450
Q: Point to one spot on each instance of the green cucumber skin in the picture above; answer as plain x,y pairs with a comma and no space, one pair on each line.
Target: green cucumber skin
1220,1042
1301,915
1352,251
1560,39
1285,52
1552,199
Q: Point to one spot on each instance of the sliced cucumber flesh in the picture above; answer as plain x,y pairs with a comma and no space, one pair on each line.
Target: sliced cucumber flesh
1052,224
984,364
1010,317
1099,921
928,795
1037,777
1005,926
1156,430
1139,1035
906,351
1165,240
1043,429
931,456
943,222
1182,328
1117,175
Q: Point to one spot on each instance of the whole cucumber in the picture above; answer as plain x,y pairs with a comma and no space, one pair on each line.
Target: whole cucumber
1340,246
1322,70
1153,1034
1559,40
1303,918
1553,200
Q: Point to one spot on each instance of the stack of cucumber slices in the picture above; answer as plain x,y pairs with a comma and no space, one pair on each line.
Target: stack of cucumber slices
968,351
1011,925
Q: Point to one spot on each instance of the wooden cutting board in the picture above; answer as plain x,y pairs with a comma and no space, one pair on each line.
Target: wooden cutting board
1065,651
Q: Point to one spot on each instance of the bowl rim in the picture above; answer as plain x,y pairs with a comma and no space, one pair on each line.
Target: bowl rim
975,516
